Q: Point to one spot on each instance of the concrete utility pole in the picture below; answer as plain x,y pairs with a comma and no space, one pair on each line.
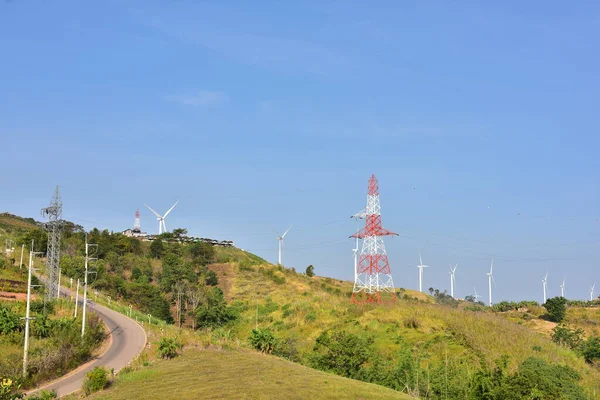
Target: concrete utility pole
85,281
21,262
58,286
27,310
76,298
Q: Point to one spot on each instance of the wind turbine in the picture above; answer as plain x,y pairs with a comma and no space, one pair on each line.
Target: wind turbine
475,296
592,291
562,289
544,285
452,279
280,238
359,215
490,279
162,228
421,266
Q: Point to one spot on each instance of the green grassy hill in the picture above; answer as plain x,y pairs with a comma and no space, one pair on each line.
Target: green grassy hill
413,345
214,374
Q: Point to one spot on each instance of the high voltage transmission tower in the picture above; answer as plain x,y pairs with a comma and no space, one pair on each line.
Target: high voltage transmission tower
373,276
54,227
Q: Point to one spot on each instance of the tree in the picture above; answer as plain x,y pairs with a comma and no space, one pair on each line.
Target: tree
202,253
571,338
213,311
179,233
211,278
310,271
590,349
342,353
157,249
556,308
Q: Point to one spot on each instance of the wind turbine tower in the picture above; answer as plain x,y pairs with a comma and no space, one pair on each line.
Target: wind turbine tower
592,291
562,288
545,285
490,279
374,275
420,267
162,227
280,239
452,279
359,215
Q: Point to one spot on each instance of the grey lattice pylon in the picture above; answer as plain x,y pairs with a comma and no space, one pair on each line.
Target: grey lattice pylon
54,227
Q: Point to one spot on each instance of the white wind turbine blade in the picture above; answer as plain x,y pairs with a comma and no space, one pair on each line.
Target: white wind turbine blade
285,233
492,266
454,269
171,209
420,259
154,212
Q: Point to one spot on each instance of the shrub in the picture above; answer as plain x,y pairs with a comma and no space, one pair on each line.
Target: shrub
310,271
590,349
9,390
571,338
96,380
412,322
211,278
556,308
9,320
44,395
167,348
263,340
342,353
213,312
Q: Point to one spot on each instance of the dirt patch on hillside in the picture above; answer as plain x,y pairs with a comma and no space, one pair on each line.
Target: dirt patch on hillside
225,274
14,296
542,326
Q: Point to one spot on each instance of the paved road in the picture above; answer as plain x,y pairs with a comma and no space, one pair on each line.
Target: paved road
128,340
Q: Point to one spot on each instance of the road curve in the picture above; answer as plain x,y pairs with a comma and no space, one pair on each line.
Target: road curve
128,339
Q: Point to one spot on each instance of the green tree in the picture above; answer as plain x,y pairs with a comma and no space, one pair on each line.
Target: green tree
213,311
173,271
157,248
211,278
310,271
571,338
202,253
179,233
556,308
590,349
342,353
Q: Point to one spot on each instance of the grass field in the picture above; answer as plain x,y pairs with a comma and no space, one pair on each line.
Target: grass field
214,374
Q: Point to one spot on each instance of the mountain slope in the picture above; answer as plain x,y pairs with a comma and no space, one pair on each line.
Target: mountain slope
216,374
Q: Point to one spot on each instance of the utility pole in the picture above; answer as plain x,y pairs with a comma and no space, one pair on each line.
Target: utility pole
21,262
27,311
54,226
58,286
76,298
85,281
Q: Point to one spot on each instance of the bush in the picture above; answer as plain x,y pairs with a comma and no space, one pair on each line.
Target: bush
213,312
44,395
310,271
9,320
556,308
571,338
167,348
96,380
342,353
211,278
590,349
263,340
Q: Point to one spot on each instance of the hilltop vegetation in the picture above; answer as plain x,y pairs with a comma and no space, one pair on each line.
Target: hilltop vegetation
426,346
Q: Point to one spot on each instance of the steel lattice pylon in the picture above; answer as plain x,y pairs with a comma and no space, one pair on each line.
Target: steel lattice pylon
374,275
54,227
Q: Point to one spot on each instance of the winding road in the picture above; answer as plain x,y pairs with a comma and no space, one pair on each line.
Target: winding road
127,340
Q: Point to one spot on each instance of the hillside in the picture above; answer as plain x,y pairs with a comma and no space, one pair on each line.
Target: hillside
235,300
215,374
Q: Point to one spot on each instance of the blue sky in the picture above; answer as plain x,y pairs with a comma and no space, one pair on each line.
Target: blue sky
480,121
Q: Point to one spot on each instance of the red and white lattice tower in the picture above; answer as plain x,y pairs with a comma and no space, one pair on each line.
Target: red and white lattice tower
136,225
374,276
